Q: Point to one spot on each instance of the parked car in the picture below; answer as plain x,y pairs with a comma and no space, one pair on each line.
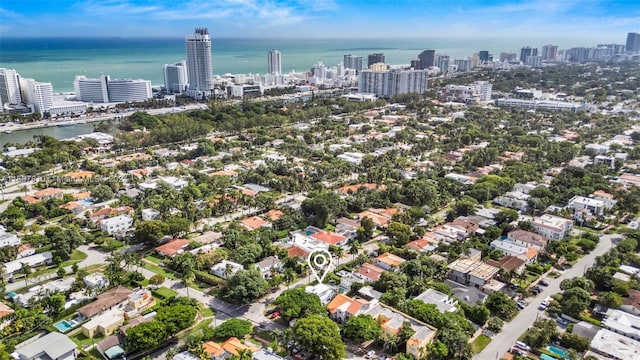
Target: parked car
523,346
521,304
274,315
271,311
517,352
370,354
562,322
543,283
542,307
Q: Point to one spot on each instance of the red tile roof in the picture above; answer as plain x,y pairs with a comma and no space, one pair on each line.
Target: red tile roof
370,271
172,247
328,237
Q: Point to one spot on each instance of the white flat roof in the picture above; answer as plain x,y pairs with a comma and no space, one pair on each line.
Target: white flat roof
614,345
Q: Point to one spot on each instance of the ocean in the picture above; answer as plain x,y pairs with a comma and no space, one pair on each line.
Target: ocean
59,60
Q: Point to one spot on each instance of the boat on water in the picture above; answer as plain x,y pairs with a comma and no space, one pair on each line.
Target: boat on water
7,131
65,123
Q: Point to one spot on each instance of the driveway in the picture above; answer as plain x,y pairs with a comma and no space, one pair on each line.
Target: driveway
511,331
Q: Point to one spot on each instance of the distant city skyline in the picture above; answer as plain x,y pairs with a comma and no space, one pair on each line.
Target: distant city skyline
588,20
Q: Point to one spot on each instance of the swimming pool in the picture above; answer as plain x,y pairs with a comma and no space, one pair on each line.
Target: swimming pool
64,326
558,351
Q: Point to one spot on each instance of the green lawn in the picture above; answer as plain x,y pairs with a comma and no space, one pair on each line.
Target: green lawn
197,329
158,270
207,312
480,343
80,339
165,293
153,259
76,257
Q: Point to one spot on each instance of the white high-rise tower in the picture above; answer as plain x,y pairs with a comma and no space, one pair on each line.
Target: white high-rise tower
37,94
175,77
275,63
199,64
10,87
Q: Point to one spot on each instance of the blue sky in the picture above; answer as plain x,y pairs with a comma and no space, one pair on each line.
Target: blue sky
592,20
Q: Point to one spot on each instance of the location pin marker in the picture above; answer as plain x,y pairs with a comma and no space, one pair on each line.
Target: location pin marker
320,262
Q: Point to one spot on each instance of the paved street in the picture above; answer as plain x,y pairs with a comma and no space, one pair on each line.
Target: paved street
511,331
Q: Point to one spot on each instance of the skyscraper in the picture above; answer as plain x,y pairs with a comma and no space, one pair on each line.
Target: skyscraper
527,51
9,87
37,94
176,77
633,42
427,59
374,59
353,62
388,83
274,62
199,65
484,56
549,52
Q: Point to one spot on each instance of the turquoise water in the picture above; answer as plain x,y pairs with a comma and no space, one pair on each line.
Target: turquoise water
555,350
59,60
63,326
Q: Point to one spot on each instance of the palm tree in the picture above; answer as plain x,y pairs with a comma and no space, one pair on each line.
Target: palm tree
26,270
288,276
243,354
187,276
355,247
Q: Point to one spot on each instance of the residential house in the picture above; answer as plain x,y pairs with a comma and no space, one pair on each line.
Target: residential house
527,239
226,269
369,273
509,263
84,195
273,214
5,310
43,195
629,179
605,197
631,303
441,300
104,324
76,207
449,233
9,239
269,265
388,261
342,307
150,214
347,227
232,346
421,245
392,320
33,261
330,238
265,354
380,217
509,248
105,301
255,222
174,182
25,250
609,345
324,292
137,302
594,206
552,227
53,346
78,177
117,224
173,247
471,272
622,323
96,280
108,212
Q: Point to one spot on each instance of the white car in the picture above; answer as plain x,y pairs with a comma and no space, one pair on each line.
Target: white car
370,354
